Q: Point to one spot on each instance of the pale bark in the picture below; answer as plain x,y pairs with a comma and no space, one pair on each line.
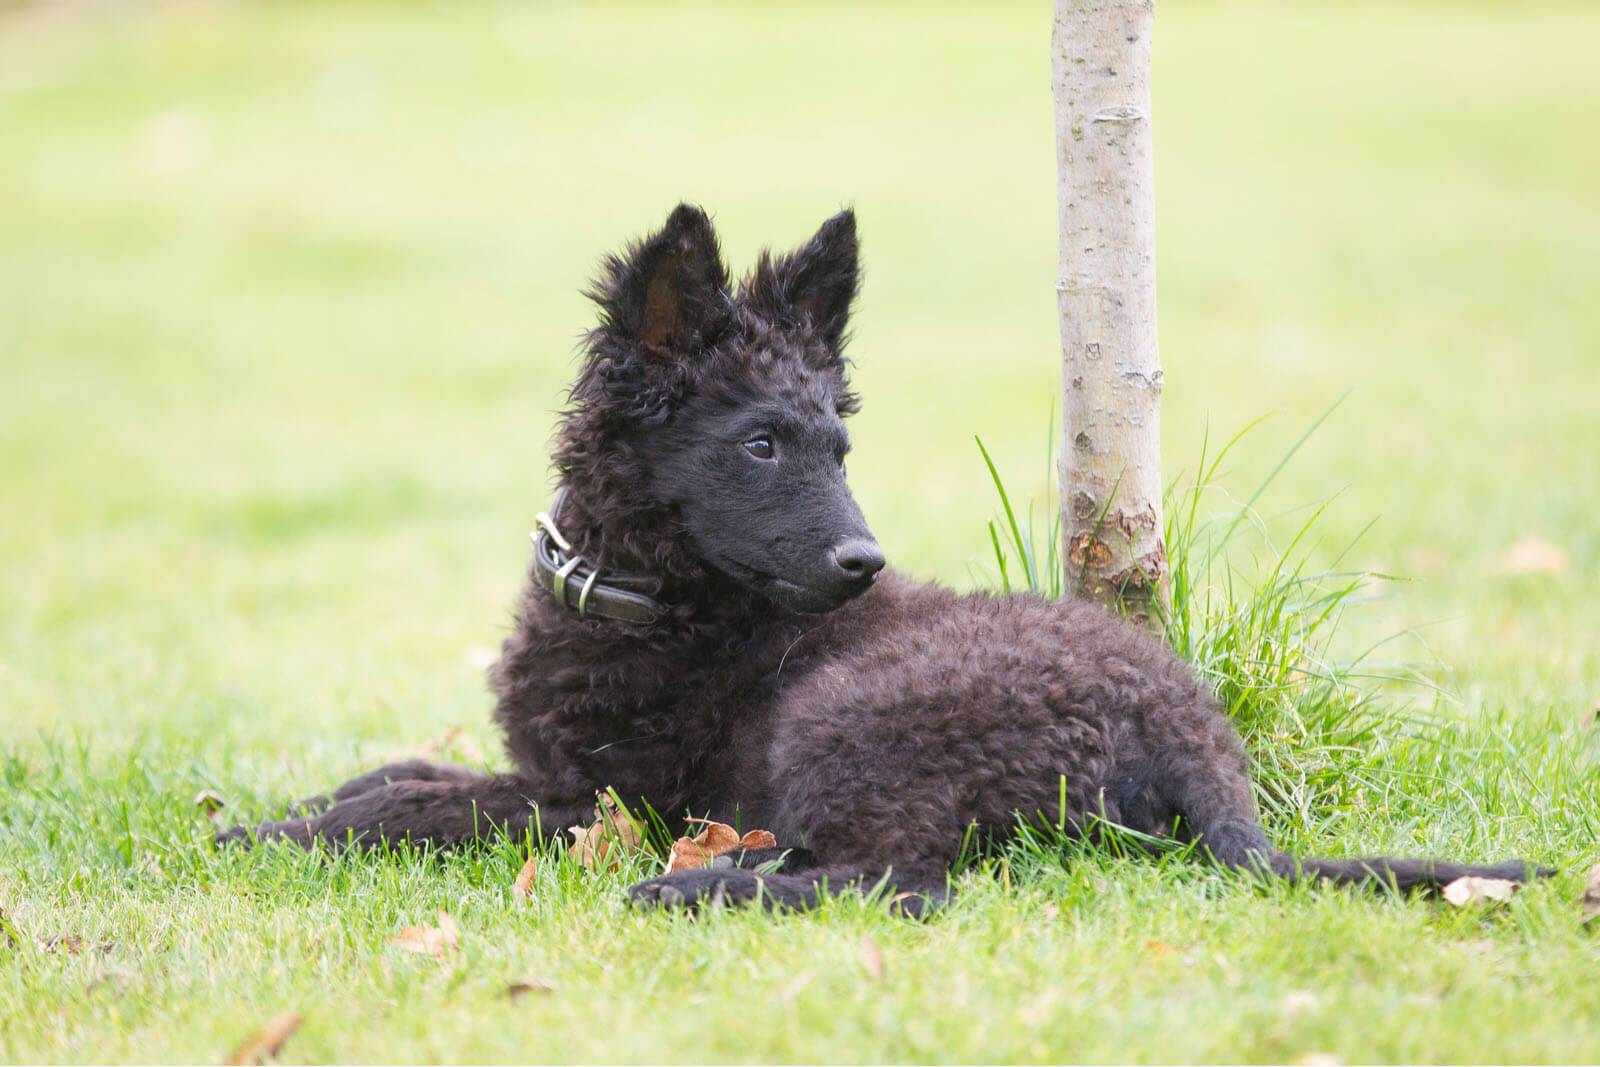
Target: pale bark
1106,293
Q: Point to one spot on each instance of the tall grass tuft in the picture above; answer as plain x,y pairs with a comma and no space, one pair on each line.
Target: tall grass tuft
1257,618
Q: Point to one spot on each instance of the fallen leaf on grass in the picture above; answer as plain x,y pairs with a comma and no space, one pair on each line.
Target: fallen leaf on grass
73,945
1534,555
267,1042
1591,896
871,957
519,989
1470,890
758,839
716,838
522,888
614,833
686,856
432,941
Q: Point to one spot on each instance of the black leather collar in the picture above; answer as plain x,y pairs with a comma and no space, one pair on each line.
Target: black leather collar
578,585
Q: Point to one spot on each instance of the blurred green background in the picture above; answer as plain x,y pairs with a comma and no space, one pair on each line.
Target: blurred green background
289,293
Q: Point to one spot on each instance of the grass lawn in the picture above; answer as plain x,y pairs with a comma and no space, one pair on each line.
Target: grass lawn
288,295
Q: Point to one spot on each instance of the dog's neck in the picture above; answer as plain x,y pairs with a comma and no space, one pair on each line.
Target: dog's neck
643,552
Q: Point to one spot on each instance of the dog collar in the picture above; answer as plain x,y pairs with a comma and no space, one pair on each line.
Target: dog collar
577,584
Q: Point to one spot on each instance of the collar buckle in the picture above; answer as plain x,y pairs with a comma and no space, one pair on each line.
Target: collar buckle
556,566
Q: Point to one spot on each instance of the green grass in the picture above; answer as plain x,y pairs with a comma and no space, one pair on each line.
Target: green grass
288,296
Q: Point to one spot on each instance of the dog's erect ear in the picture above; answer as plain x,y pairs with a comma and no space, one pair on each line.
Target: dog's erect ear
669,292
815,284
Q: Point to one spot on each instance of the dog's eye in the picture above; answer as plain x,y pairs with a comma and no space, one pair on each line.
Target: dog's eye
759,447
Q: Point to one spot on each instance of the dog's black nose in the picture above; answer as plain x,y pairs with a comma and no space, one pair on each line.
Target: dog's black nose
859,559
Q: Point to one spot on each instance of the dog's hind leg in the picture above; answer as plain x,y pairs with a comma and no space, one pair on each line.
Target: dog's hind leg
1216,810
443,810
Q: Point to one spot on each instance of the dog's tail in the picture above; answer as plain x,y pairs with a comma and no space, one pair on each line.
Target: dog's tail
1243,846
1403,874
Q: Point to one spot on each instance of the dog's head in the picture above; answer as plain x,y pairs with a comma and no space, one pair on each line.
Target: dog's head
725,408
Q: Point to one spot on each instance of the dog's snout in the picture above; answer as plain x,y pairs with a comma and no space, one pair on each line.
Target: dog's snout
859,560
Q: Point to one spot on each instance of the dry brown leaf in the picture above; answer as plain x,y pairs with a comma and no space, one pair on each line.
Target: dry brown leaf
448,927
266,1043
521,988
686,856
871,958
65,944
613,834
717,837
1158,948
1471,890
74,945
1591,895
209,802
432,941
1534,555
423,940
601,848
758,839
714,839
591,845
522,888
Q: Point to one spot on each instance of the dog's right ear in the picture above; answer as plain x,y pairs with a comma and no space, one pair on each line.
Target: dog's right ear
815,284
668,293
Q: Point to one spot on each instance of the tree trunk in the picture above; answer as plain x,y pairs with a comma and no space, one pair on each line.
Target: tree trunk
1106,293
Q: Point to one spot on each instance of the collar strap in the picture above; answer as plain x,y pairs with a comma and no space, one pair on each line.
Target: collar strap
578,585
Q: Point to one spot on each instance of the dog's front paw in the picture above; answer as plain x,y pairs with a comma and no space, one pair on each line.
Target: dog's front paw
703,888
234,835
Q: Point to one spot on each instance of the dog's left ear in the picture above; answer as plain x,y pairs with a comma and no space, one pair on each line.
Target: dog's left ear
667,294
815,285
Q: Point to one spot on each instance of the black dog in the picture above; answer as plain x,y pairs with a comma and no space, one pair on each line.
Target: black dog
707,630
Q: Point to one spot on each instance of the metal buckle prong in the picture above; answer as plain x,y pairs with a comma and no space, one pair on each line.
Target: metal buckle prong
543,521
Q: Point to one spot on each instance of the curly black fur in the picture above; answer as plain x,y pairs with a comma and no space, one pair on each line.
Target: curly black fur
873,722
